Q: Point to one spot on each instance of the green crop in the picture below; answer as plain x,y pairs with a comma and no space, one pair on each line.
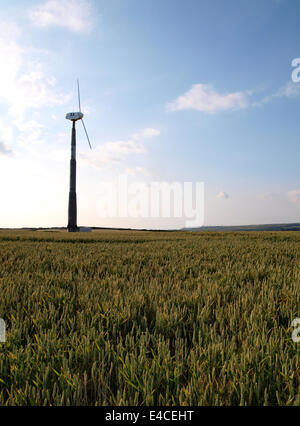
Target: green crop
149,318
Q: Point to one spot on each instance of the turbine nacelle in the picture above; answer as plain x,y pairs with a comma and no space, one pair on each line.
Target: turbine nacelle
74,116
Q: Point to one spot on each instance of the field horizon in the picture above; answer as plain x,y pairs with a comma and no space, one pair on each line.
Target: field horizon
292,226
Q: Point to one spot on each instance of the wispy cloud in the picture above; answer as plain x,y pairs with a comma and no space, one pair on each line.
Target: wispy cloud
289,90
137,171
147,133
112,152
109,153
74,15
124,147
203,97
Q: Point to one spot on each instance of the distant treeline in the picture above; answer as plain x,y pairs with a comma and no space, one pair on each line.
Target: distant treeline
271,227
267,227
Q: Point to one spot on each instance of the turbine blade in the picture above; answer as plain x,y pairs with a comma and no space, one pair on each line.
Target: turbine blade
86,133
78,89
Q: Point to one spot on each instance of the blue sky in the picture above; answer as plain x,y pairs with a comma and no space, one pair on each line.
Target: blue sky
172,90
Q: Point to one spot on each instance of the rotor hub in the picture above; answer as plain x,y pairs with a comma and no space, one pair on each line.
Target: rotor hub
74,116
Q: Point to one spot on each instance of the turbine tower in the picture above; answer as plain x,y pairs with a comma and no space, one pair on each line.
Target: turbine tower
72,210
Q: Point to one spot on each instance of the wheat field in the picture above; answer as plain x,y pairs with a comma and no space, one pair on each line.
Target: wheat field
149,318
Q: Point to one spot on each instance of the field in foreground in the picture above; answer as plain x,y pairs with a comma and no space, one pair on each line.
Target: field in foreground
141,318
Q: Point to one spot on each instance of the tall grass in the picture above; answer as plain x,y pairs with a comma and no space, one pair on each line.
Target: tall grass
141,318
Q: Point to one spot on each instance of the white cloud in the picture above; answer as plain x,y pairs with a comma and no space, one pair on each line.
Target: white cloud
30,135
24,84
32,91
124,147
4,149
149,132
74,15
222,195
9,31
294,196
98,158
203,97
289,90
5,133
5,139
134,171
109,153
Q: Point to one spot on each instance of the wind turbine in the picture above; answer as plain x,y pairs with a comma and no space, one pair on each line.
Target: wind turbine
72,211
